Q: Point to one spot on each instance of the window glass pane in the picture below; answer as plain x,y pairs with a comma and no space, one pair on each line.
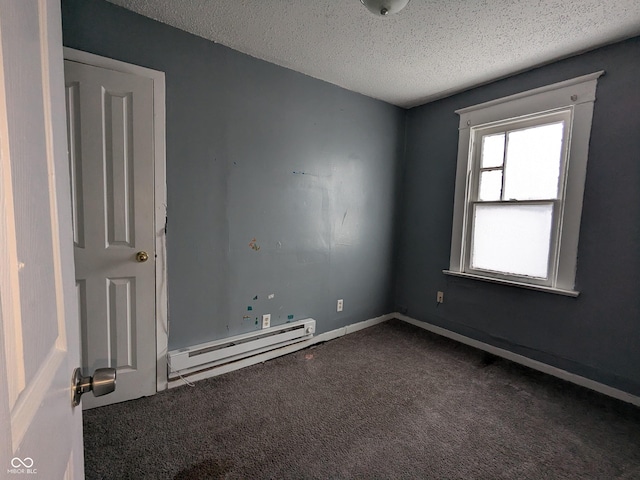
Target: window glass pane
512,239
492,151
490,185
532,166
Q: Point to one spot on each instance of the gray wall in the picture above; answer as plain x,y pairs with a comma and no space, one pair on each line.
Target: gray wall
310,171
258,151
596,335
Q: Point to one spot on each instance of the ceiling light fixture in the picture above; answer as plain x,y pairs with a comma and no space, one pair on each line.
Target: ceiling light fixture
382,8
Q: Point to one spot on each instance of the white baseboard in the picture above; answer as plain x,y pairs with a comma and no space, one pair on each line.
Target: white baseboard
527,362
339,332
263,357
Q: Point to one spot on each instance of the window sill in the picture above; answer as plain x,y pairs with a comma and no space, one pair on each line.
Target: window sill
541,288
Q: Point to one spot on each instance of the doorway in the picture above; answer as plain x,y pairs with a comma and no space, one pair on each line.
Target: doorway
116,134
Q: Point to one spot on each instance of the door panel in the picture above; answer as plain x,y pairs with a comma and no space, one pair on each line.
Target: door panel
118,140
39,345
110,132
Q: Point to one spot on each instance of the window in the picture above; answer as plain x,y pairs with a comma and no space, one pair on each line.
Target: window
519,185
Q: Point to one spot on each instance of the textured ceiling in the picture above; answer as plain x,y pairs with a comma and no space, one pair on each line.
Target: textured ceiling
431,49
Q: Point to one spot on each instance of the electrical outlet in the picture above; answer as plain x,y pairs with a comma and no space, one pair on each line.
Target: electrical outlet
340,305
440,297
266,320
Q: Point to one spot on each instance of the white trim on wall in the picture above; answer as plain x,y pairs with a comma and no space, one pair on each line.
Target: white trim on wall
263,357
526,361
339,332
159,113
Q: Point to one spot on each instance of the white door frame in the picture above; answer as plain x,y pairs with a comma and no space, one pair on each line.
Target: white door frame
160,188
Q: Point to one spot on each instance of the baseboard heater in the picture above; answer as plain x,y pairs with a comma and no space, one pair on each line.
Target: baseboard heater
207,355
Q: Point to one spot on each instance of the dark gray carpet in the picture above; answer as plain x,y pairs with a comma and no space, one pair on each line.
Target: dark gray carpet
392,401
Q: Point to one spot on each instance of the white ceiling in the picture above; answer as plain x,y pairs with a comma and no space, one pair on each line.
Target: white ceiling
431,49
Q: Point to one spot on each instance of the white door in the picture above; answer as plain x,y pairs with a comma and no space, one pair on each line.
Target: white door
111,154
40,431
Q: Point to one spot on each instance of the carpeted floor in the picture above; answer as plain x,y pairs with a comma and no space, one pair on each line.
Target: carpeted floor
392,401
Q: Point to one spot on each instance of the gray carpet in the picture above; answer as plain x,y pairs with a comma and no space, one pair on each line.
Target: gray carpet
392,401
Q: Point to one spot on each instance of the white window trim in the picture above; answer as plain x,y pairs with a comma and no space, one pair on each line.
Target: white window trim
577,93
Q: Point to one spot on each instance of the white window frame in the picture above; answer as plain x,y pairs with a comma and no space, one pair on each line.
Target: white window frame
572,98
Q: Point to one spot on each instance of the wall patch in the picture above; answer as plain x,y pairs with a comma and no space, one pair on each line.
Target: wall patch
254,245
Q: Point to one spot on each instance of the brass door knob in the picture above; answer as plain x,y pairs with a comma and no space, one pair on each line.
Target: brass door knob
142,256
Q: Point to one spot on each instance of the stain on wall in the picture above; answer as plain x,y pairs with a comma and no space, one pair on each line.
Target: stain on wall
237,128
